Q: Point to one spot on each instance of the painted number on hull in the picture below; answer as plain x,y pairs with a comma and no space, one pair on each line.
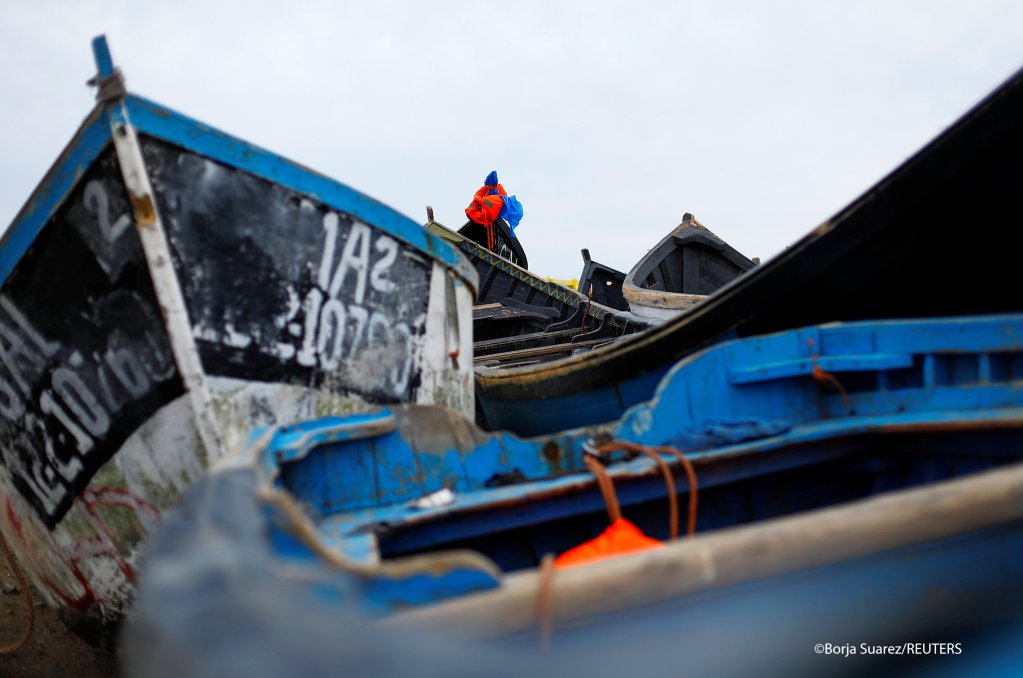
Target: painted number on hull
339,323
76,400
96,201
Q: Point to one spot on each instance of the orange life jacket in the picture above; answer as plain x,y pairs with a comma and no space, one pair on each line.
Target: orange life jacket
619,538
484,208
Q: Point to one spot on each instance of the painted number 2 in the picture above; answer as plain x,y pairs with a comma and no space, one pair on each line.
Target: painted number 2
96,202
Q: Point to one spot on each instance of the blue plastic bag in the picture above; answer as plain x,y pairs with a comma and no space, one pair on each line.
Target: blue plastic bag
511,212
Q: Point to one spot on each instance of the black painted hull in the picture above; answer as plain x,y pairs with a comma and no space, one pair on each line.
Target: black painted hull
935,238
686,266
602,284
521,318
126,367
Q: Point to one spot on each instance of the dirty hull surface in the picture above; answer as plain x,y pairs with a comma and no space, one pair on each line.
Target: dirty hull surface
167,288
895,597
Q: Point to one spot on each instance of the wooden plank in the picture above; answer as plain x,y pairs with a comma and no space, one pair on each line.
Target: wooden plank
492,344
540,350
690,271
766,549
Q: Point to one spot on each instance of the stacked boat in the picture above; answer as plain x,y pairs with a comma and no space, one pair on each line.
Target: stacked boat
798,452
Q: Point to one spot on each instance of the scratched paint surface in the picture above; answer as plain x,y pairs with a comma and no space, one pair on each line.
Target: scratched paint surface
307,314
83,359
281,288
85,366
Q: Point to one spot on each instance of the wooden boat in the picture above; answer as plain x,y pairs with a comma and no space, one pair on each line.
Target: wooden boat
686,266
164,289
870,463
522,318
929,239
506,245
602,284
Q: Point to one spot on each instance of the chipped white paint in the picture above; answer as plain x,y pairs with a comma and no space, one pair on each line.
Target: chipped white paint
445,349
161,270
88,557
660,305
88,563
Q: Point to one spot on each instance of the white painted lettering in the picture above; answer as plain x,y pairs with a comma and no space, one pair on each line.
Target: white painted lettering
96,201
400,373
359,316
11,404
330,223
49,405
129,371
332,325
47,348
68,468
354,258
311,308
378,276
80,400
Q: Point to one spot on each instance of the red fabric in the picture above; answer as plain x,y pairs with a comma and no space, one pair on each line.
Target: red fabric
484,208
619,538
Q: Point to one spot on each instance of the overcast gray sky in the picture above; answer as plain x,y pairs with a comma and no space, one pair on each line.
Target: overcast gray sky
608,120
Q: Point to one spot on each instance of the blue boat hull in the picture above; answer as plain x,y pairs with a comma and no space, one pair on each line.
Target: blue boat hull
946,604
883,457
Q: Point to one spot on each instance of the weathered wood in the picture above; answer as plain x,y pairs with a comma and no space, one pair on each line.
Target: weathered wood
688,264
493,345
768,549
539,351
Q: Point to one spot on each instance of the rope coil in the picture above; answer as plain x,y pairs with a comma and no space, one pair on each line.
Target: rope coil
26,593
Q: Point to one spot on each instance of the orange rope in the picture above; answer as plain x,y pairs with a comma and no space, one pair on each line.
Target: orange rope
490,236
626,446
826,378
26,592
586,311
607,488
669,480
544,603
544,611
693,485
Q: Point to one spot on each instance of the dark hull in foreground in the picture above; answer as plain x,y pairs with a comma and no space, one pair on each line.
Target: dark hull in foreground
165,288
933,238
851,499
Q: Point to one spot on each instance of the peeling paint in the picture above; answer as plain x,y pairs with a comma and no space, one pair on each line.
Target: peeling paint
142,206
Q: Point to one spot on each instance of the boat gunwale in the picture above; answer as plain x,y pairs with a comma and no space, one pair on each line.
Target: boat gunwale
634,293
771,548
761,451
918,174
156,121
88,142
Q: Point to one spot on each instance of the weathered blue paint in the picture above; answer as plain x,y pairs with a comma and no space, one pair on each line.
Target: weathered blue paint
746,412
157,121
154,120
386,594
90,140
101,53
542,415
212,558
